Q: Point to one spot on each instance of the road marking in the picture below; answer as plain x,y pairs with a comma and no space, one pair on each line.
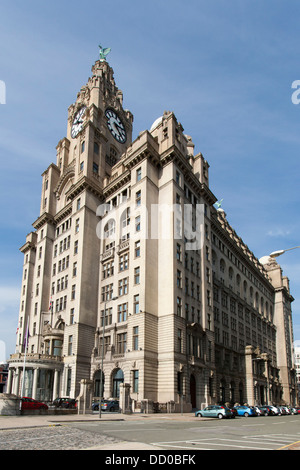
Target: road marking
212,444
289,445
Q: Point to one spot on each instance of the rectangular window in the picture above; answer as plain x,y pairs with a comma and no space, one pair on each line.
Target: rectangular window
179,306
75,269
135,338
138,198
73,293
137,249
138,174
122,312
137,275
107,292
95,168
96,148
136,303
108,316
121,343
179,340
70,345
135,381
123,286
69,377
178,252
72,315
138,223
123,262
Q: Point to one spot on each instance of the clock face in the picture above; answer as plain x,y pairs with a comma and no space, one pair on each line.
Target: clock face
78,122
116,126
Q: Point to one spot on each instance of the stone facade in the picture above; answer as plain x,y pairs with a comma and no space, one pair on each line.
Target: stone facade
133,273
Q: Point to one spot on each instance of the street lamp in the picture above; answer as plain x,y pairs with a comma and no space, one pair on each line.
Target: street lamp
102,356
280,252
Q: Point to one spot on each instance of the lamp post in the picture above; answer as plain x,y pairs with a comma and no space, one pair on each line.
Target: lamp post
275,254
102,356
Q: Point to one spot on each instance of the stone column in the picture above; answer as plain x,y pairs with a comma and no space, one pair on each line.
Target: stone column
250,399
9,381
17,380
125,398
55,384
34,385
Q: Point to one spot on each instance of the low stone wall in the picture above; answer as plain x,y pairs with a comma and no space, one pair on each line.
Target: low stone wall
9,404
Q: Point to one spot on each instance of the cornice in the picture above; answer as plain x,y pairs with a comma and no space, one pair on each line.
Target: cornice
83,184
228,234
45,218
67,210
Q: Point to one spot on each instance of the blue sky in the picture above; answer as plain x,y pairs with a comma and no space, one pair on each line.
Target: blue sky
225,68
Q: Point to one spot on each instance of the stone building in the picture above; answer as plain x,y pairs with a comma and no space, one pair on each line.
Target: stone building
133,273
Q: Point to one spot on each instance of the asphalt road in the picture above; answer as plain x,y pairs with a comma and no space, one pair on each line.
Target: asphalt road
255,433
162,433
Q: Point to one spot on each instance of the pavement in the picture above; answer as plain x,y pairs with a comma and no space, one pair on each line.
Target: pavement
10,423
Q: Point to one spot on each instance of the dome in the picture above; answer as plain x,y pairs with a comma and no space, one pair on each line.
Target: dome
264,260
156,123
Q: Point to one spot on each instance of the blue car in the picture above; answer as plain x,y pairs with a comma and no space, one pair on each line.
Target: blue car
245,411
214,411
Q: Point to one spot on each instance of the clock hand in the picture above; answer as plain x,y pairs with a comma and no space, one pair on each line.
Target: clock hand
119,128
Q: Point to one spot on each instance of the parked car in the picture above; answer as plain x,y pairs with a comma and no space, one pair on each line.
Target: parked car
31,404
275,410
246,411
269,410
64,402
233,412
106,405
214,411
258,411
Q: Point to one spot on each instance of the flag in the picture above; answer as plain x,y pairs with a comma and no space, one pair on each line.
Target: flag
26,337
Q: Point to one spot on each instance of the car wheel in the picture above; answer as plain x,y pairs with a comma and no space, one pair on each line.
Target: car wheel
246,414
220,416
199,415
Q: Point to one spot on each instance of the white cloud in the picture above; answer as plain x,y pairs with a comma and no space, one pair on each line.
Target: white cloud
278,232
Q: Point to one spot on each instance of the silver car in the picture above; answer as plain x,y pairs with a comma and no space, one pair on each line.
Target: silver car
214,411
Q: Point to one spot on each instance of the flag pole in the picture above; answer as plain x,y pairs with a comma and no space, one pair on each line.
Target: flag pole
24,366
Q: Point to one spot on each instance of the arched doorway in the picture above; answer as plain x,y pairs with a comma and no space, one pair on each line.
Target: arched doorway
193,391
117,379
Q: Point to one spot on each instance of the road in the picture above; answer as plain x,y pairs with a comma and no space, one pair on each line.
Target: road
256,433
161,433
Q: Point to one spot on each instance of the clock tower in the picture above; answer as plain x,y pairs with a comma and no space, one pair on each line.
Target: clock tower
99,129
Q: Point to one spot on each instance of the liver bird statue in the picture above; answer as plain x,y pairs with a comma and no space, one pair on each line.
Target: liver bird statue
103,51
